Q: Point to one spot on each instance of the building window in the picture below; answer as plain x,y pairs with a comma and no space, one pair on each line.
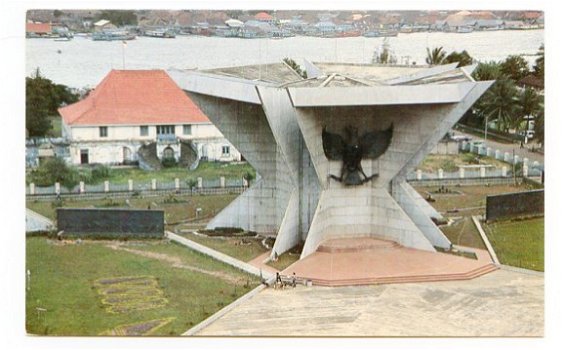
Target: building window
165,130
225,150
144,130
103,131
187,129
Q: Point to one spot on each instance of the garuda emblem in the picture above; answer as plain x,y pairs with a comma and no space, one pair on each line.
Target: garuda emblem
352,149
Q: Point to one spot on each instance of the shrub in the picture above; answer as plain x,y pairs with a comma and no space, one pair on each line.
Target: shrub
53,170
169,162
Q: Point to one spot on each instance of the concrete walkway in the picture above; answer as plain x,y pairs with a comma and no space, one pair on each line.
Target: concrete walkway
219,256
502,303
36,222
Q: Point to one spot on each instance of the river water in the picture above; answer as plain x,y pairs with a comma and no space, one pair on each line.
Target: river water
83,62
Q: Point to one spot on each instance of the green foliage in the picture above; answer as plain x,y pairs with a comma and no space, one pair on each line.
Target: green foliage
169,162
435,56
57,13
118,17
463,58
500,104
515,67
296,67
53,170
449,166
42,99
539,126
487,71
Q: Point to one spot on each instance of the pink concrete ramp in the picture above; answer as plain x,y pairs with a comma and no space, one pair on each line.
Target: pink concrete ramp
361,261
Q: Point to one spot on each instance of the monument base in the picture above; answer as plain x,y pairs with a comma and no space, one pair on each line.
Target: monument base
363,261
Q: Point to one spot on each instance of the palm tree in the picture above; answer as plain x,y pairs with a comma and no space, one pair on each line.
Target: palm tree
530,103
463,58
500,104
435,56
538,68
487,71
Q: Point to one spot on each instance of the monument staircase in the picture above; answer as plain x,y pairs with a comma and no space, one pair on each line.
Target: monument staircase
148,159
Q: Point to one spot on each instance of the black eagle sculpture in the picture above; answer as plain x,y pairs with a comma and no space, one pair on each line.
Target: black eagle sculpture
353,149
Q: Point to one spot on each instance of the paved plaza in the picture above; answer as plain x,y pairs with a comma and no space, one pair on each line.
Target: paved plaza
501,303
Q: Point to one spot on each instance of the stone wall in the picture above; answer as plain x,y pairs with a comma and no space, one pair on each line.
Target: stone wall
511,205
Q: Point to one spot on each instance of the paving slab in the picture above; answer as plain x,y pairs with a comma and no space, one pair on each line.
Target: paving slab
502,303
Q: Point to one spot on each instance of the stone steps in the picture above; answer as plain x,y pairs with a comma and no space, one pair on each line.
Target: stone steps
407,279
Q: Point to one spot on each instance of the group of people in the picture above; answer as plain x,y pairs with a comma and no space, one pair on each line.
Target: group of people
280,283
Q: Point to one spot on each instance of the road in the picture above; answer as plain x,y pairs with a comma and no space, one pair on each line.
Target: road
509,147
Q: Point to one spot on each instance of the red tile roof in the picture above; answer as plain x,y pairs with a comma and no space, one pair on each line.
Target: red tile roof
38,28
263,16
134,97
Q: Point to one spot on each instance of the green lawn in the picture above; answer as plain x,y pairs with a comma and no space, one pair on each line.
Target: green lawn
451,162
518,243
205,170
176,207
231,246
63,276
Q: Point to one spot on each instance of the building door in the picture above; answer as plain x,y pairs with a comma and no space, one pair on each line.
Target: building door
84,159
127,155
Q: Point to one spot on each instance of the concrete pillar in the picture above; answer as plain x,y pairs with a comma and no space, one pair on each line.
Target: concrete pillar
461,173
106,186
498,154
482,172
223,182
130,184
506,157
515,159
57,188
504,171
153,184
489,152
526,161
199,182
177,183
473,148
525,171
440,173
82,189
32,188
418,174
481,150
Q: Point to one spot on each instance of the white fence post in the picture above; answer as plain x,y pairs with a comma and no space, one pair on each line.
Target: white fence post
177,184
199,182
57,188
525,171
506,157
498,154
515,159
526,161
489,152
32,188
245,182
153,184
504,171
82,190
440,173
419,174
461,173
482,172
130,185
223,182
106,186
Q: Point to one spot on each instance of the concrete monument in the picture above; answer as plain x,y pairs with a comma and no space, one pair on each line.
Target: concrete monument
316,180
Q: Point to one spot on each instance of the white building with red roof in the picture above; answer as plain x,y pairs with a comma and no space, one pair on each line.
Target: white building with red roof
131,110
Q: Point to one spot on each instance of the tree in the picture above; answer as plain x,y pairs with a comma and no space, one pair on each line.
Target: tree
54,170
42,99
487,71
531,104
295,66
463,58
515,67
538,68
118,17
500,104
539,126
435,56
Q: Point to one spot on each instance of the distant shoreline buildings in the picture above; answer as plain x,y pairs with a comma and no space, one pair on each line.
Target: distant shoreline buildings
275,24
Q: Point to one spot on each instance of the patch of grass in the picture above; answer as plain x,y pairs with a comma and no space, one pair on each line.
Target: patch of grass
63,282
463,232
519,242
241,248
451,162
284,260
182,209
206,170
